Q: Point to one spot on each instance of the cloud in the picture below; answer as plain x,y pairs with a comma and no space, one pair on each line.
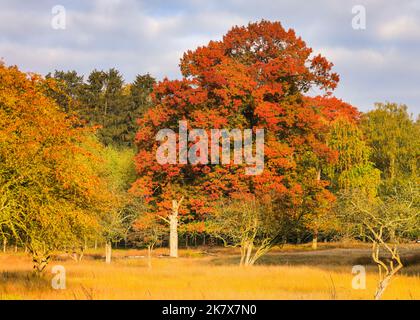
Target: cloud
376,64
401,28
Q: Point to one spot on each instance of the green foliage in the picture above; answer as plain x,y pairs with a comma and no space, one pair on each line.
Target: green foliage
252,225
392,217
140,93
104,100
353,168
117,170
119,167
395,140
51,195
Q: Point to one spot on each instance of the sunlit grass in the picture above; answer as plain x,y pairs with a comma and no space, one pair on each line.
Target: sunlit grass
190,277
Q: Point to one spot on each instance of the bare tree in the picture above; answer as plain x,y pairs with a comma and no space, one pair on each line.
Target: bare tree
246,223
148,230
385,221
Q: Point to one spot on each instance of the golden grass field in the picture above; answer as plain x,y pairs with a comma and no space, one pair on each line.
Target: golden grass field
289,273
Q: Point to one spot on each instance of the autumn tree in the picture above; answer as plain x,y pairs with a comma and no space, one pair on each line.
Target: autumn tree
50,196
256,77
314,211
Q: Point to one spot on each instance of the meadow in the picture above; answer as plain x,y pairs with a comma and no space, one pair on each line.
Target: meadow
291,272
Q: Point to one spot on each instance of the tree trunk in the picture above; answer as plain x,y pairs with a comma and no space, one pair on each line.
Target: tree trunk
386,273
243,255
173,236
108,252
362,233
149,255
81,254
382,285
173,227
248,254
4,244
315,240
40,261
392,167
392,236
96,244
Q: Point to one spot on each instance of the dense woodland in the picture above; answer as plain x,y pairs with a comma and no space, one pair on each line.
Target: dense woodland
78,165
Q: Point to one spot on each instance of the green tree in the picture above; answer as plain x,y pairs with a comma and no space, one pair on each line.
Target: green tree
118,171
352,171
68,91
140,92
105,101
395,140
353,168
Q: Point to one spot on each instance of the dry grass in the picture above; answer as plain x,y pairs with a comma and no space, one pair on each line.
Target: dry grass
194,276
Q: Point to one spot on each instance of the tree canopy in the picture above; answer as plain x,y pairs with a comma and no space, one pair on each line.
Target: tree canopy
255,77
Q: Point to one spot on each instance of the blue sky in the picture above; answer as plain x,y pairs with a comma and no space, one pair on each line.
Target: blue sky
380,63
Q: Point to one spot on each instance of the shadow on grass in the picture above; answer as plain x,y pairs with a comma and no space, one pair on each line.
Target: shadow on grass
24,280
335,259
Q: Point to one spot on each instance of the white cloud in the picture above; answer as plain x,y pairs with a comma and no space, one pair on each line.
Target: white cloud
380,63
380,60
400,28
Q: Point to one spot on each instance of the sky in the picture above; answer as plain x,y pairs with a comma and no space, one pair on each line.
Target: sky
376,64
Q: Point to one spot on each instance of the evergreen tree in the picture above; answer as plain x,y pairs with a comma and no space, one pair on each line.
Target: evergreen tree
70,87
104,100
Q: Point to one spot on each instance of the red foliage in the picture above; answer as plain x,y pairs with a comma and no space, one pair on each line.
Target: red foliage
256,77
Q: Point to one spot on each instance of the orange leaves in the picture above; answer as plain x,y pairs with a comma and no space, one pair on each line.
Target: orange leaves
333,108
269,114
197,62
320,68
255,77
42,145
143,187
48,163
209,118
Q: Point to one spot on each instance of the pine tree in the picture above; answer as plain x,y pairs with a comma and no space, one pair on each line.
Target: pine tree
104,100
